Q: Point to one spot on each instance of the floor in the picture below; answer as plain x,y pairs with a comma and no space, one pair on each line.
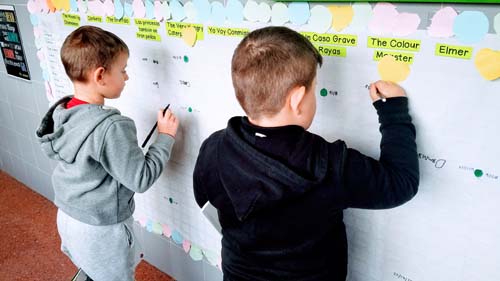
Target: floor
29,243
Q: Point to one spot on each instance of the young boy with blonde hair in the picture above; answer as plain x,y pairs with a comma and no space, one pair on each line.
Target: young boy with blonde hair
101,165
280,191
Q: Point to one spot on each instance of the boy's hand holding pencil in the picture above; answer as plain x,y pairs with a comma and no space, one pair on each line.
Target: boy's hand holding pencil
384,90
167,123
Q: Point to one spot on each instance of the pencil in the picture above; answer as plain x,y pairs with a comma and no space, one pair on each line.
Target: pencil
154,128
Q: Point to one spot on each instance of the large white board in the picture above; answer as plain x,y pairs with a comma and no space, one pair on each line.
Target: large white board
449,231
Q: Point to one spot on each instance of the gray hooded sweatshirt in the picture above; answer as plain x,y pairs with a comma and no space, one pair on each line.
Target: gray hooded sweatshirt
101,165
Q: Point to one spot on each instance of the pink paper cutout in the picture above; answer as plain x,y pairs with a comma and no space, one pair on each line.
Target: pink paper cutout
40,55
142,222
33,6
96,7
442,23
109,8
219,263
139,9
48,91
386,19
37,31
158,11
82,6
406,24
383,19
186,245
167,232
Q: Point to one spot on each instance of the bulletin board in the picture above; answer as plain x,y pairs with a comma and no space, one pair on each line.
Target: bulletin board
446,56
11,45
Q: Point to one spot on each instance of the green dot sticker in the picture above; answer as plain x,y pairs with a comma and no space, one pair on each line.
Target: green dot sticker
171,200
186,59
190,109
323,92
478,173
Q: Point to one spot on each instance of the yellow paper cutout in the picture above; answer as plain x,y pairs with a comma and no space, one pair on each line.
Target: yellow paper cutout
487,63
189,36
61,4
392,70
341,16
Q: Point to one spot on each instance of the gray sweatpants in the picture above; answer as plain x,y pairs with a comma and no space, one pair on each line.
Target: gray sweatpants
104,252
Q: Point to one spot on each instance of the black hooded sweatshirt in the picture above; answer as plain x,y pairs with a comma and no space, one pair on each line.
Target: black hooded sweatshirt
280,193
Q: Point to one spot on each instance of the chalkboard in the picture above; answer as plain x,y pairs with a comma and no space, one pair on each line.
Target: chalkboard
11,45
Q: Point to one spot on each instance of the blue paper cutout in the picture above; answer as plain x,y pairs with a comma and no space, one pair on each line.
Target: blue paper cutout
119,12
34,19
470,26
150,9
178,13
299,13
177,237
218,13
73,5
129,9
202,10
234,11
149,226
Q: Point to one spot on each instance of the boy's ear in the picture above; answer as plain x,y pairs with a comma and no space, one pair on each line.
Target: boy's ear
98,75
296,97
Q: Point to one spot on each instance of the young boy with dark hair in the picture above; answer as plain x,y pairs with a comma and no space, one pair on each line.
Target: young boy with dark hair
101,165
280,191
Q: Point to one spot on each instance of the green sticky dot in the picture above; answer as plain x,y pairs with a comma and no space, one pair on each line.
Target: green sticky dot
478,173
186,59
323,92
190,109
170,200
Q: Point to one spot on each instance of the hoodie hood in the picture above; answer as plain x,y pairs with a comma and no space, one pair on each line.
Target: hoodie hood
62,131
256,178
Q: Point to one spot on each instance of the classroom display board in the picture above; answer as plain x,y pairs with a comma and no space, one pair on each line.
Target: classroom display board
11,45
446,57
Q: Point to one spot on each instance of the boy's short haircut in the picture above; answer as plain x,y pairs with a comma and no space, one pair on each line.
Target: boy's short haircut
88,48
267,64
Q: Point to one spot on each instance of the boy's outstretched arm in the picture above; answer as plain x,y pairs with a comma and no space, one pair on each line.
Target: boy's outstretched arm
124,160
393,180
